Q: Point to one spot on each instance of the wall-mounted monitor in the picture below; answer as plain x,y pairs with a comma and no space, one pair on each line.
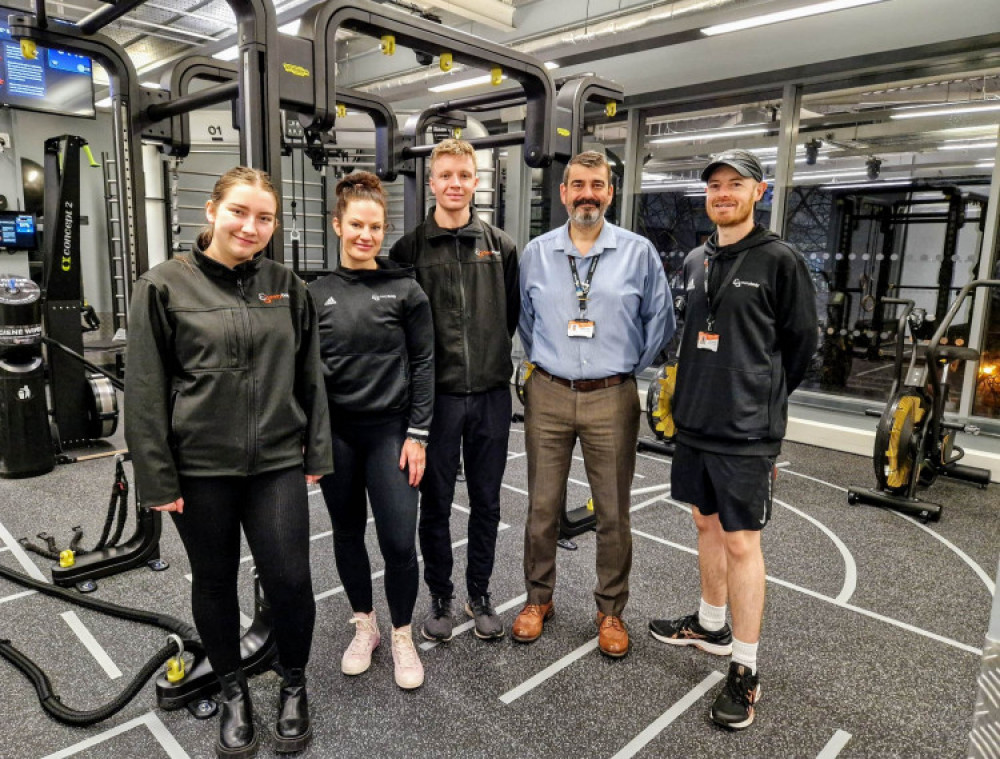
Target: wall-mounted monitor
53,81
17,231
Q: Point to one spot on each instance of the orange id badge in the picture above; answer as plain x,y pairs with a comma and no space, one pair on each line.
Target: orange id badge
580,328
708,341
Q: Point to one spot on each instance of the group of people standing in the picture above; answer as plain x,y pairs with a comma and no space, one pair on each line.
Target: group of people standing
244,386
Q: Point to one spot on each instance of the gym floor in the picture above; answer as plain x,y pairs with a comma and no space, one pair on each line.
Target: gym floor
871,647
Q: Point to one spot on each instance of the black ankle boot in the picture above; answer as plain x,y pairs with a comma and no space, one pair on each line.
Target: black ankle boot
293,730
237,736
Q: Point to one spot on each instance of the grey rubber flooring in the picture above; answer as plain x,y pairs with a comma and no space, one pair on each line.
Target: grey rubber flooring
871,647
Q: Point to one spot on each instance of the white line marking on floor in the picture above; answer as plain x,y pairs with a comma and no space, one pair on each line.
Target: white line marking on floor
467,510
511,487
650,489
958,552
244,619
990,585
4,548
16,596
782,464
511,455
660,723
466,626
90,643
678,504
644,504
515,693
835,602
379,573
149,720
834,746
22,558
850,566
581,483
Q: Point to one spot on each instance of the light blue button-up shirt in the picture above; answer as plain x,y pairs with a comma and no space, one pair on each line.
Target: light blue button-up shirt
629,304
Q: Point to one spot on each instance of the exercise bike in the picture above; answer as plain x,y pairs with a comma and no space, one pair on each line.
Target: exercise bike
914,443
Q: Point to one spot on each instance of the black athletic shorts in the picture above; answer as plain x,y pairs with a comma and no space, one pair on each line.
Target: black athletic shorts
737,488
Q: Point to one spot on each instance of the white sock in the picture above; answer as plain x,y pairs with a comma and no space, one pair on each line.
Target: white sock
712,618
745,654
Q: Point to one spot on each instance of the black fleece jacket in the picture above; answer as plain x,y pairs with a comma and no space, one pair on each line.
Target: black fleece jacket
377,345
222,374
735,400
470,276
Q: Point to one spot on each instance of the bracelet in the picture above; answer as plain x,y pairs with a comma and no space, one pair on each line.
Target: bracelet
418,441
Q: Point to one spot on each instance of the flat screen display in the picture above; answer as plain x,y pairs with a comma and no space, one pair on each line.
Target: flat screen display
17,230
54,81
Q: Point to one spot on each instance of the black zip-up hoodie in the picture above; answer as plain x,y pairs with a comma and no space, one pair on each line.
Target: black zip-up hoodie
735,400
222,374
470,277
377,345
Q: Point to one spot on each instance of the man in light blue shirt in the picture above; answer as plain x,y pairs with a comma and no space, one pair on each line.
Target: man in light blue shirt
595,311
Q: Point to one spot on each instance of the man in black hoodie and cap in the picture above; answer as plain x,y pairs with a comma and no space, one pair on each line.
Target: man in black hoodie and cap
750,331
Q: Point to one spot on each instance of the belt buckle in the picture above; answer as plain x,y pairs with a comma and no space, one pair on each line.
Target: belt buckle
572,384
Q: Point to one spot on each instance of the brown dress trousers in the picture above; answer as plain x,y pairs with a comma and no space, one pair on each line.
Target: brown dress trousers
606,422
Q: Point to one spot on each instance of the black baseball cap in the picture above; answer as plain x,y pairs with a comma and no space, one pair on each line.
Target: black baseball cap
743,161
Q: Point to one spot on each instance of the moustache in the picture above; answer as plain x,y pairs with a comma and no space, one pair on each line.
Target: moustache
586,202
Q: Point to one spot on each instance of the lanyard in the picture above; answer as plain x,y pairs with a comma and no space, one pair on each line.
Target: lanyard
713,304
583,288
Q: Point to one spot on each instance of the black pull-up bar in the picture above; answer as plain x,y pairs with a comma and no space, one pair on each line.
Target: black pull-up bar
321,22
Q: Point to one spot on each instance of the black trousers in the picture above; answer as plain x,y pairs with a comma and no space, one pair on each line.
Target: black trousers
273,511
366,461
475,426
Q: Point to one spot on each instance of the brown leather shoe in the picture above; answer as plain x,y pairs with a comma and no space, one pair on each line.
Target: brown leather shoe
529,623
613,637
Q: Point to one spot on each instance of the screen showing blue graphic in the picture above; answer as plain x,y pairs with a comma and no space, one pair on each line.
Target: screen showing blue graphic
17,231
54,81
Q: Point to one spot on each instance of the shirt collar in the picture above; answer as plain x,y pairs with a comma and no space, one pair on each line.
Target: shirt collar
606,240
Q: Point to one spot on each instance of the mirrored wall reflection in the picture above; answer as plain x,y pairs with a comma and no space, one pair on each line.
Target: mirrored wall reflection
888,202
986,401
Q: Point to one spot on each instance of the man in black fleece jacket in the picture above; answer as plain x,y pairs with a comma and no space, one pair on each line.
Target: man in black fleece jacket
750,331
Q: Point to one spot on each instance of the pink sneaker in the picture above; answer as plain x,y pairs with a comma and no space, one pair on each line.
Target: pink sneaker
358,656
409,670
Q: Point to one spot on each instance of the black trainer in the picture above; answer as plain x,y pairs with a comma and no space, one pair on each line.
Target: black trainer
488,623
438,623
734,706
687,631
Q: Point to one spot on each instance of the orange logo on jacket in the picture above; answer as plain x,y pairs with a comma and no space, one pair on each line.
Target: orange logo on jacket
269,299
485,253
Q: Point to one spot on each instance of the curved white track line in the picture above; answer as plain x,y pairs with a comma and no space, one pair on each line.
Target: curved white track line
850,567
990,585
980,572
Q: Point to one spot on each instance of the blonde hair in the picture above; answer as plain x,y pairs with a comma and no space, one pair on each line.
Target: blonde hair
236,176
452,147
359,185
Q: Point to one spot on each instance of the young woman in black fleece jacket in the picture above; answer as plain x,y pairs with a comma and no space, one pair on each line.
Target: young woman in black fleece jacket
224,413
377,348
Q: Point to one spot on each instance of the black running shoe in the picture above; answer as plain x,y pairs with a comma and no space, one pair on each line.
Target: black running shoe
734,706
686,631
488,623
438,623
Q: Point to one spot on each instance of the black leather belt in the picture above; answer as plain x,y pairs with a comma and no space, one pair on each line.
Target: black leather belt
585,385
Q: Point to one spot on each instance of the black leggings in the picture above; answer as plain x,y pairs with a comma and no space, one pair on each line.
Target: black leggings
273,510
366,460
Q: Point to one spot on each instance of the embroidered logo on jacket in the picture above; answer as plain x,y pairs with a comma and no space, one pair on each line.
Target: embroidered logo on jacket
330,302
743,282
375,296
487,253
269,299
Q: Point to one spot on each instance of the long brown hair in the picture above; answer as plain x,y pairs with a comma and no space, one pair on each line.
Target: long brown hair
236,176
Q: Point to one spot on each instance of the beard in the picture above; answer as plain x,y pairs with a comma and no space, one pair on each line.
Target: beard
733,218
586,215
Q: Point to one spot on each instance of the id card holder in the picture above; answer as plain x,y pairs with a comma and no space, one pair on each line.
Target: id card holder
580,328
708,341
